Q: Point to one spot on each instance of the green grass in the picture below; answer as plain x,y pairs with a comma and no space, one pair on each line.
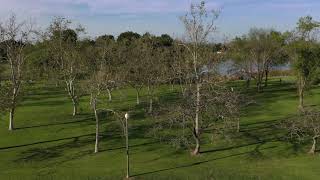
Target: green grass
50,144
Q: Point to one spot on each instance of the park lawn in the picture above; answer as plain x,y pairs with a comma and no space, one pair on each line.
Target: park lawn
51,144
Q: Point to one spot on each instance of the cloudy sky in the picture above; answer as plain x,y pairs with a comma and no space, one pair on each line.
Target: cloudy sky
162,16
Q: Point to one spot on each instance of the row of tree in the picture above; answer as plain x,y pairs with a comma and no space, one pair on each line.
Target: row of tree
96,67
258,52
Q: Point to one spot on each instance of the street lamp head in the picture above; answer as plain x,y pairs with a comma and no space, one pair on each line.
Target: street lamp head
127,116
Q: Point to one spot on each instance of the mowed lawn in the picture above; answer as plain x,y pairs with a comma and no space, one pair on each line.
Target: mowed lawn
51,144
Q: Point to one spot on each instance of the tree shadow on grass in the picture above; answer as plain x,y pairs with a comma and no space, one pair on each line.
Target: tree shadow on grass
237,146
43,142
53,152
197,163
56,124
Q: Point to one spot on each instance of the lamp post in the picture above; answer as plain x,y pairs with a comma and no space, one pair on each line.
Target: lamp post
127,145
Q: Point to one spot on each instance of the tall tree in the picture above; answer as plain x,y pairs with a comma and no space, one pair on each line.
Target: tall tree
304,52
15,36
152,54
199,25
65,52
256,53
239,52
131,65
107,54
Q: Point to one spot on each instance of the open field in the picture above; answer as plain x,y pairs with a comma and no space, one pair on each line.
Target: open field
50,144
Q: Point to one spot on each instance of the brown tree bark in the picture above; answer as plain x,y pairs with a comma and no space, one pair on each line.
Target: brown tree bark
301,86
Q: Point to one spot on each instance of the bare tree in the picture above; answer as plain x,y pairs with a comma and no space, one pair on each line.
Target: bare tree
95,87
107,50
65,52
199,25
131,67
152,65
16,36
219,115
304,127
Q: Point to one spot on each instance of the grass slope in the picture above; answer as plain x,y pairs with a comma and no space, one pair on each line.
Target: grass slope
50,144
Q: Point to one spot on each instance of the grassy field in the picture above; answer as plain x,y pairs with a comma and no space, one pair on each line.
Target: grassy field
50,144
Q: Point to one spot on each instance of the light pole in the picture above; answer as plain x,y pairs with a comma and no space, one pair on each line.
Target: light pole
127,144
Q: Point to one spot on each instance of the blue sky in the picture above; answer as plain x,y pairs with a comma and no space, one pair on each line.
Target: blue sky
162,16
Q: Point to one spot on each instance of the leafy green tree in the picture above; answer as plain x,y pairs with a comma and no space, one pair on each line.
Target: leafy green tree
128,36
306,58
256,53
304,53
239,52
165,40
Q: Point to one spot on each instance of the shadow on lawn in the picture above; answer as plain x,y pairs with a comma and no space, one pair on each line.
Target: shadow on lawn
56,124
44,154
198,163
42,142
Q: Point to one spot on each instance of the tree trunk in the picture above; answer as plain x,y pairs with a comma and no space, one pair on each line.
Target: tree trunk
11,119
301,84
301,99
196,123
96,148
91,99
127,149
181,87
313,147
13,107
109,94
150,105
75,108
73,97
258,87
238,125
259,81
266,78
150,99
196,150
138,96
248,83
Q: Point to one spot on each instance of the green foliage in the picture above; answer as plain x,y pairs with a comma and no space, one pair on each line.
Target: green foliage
128,36
306,25
165,40
306,60
105,38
